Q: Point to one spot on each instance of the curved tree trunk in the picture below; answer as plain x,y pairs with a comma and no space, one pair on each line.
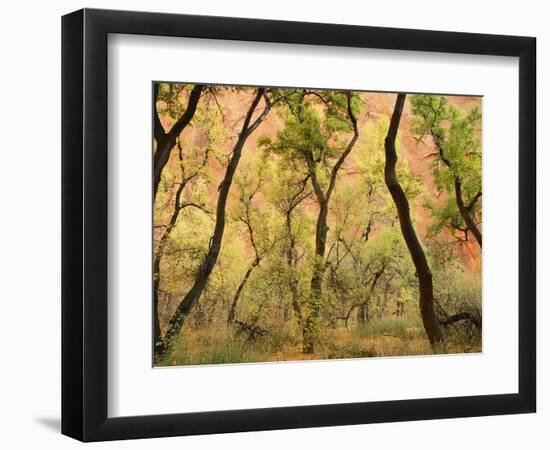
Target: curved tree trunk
233,309
158,344
191,298
315,304
314,311
299,196
231,317
293,281
462,316
167,140
464,213
418,256
464,210
363,312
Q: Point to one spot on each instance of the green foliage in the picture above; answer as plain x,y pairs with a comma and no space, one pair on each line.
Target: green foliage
457,289
301,135
458,157
316,130
170,99
446,218
371,161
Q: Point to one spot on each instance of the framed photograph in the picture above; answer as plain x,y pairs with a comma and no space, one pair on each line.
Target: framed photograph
273,225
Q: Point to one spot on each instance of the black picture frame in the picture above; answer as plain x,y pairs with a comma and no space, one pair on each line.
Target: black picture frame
84,224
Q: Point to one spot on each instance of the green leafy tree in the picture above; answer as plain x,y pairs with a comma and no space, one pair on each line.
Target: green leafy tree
288,191
368,254
182,116
320,130
457,163
249,185
184,189
424,274
249,125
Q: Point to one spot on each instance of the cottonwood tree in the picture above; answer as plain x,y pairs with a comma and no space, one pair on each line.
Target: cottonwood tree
367,252
255,223
249,125
322,141
423,272
346,236
166,139
185,190
288,191
371,269
180,204
457,165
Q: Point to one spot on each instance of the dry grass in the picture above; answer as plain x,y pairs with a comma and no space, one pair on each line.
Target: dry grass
387,337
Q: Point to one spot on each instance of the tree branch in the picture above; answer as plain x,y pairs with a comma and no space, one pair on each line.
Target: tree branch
347,151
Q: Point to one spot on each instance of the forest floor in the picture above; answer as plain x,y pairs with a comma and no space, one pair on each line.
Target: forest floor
378,338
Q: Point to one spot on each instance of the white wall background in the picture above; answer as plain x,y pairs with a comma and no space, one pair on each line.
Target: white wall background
30,225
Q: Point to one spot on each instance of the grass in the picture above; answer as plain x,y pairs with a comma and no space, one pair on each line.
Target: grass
385,337
212,347
404,328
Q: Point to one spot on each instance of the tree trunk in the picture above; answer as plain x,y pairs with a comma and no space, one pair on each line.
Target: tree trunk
186,305
158,348
321,230
232,310
291,259
399,308
158,343
462,208
462,316
167,141
363,313
162,155
293,282
423,272
464,213
310,322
